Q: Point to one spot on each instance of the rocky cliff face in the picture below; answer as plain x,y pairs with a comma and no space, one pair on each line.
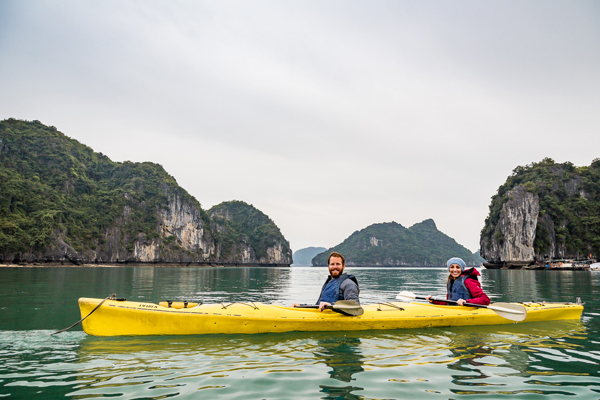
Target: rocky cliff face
181,223
278,253
514,234
545,211
180,237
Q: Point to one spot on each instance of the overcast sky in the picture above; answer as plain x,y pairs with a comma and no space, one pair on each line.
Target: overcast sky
328,116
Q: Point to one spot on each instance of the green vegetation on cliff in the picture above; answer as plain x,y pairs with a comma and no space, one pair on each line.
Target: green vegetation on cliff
390,244
238,221
569,207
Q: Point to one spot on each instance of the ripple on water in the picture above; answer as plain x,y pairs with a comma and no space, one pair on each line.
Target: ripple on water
548,359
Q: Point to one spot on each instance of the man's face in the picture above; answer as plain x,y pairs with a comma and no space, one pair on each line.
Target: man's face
336,268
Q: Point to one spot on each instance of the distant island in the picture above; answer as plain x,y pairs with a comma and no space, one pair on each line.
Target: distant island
63,202
390,245
303,257
544,211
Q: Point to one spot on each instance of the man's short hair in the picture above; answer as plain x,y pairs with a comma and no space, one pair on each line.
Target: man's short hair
336,254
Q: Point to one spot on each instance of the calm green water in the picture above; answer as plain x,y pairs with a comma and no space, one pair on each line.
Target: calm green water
553,360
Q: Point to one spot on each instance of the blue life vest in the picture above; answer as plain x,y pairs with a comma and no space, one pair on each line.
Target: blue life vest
331,291
458,290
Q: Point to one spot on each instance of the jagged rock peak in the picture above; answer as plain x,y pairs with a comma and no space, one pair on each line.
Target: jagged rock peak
428,224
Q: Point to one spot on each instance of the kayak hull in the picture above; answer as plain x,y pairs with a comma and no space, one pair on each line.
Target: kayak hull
129,318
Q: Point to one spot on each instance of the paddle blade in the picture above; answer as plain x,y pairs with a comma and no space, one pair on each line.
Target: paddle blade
514,312
348,307
406,296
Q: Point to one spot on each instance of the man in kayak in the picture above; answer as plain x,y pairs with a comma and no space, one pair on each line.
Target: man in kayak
338,286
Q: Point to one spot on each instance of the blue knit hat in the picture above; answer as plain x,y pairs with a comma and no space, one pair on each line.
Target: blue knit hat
456,260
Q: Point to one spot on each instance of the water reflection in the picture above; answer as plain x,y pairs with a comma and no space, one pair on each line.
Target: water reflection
219,363
514,351
468,358
218,358
343,356
554,286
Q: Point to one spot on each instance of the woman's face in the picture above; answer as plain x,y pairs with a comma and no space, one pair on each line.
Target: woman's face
455,270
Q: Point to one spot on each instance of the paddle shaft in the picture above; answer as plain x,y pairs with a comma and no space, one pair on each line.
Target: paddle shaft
313,306
452,301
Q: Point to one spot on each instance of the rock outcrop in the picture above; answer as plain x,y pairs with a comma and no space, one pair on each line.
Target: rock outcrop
545,211
259,240
513,237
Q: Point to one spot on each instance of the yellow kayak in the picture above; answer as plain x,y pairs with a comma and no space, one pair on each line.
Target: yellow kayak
132,318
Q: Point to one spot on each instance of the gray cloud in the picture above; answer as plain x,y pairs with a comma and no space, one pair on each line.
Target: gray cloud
327,116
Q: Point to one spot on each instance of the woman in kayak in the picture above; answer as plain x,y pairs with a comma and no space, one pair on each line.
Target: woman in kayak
463,286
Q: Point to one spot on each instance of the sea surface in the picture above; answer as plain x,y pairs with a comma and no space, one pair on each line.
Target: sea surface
550,360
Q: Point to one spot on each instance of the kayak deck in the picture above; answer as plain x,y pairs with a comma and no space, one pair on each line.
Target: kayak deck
130,318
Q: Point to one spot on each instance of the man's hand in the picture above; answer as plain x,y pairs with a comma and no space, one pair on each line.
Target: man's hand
428,298
323,304
461,302
295,305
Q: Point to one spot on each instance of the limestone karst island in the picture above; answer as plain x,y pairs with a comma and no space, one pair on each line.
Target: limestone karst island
546,215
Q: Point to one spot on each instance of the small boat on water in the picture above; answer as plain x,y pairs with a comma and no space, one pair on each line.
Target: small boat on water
113,317
578,265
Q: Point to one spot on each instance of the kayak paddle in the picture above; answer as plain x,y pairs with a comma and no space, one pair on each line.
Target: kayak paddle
514,312
348,307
